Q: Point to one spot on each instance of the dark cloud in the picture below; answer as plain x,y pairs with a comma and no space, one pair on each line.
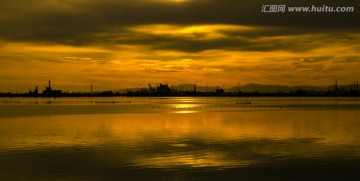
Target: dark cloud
262,42
83,22
350,59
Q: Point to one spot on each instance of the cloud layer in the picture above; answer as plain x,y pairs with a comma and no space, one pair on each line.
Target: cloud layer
225,40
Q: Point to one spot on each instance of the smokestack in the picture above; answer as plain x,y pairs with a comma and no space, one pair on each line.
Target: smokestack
49,83
336,87
238,88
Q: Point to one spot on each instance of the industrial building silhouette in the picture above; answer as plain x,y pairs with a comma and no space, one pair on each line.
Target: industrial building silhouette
165,90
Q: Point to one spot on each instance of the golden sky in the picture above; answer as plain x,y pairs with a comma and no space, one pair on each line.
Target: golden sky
116,44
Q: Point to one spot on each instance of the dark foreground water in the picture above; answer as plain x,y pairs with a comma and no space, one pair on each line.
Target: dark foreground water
180,139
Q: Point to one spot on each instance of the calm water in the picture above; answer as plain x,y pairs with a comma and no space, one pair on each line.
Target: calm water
179,139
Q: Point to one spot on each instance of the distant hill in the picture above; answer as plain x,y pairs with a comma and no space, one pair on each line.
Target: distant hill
250,88
260,88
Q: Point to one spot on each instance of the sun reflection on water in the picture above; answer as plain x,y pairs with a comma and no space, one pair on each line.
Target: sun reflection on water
203,159
204,139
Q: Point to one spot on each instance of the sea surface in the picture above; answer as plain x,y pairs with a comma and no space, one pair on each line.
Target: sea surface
184,138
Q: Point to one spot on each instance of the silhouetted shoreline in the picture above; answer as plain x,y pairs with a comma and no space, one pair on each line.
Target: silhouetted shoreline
192,90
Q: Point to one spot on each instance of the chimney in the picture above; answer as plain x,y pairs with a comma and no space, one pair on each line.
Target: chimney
336,87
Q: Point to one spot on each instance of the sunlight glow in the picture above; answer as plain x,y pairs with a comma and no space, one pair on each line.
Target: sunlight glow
185,111
172,1
178,1
200,32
